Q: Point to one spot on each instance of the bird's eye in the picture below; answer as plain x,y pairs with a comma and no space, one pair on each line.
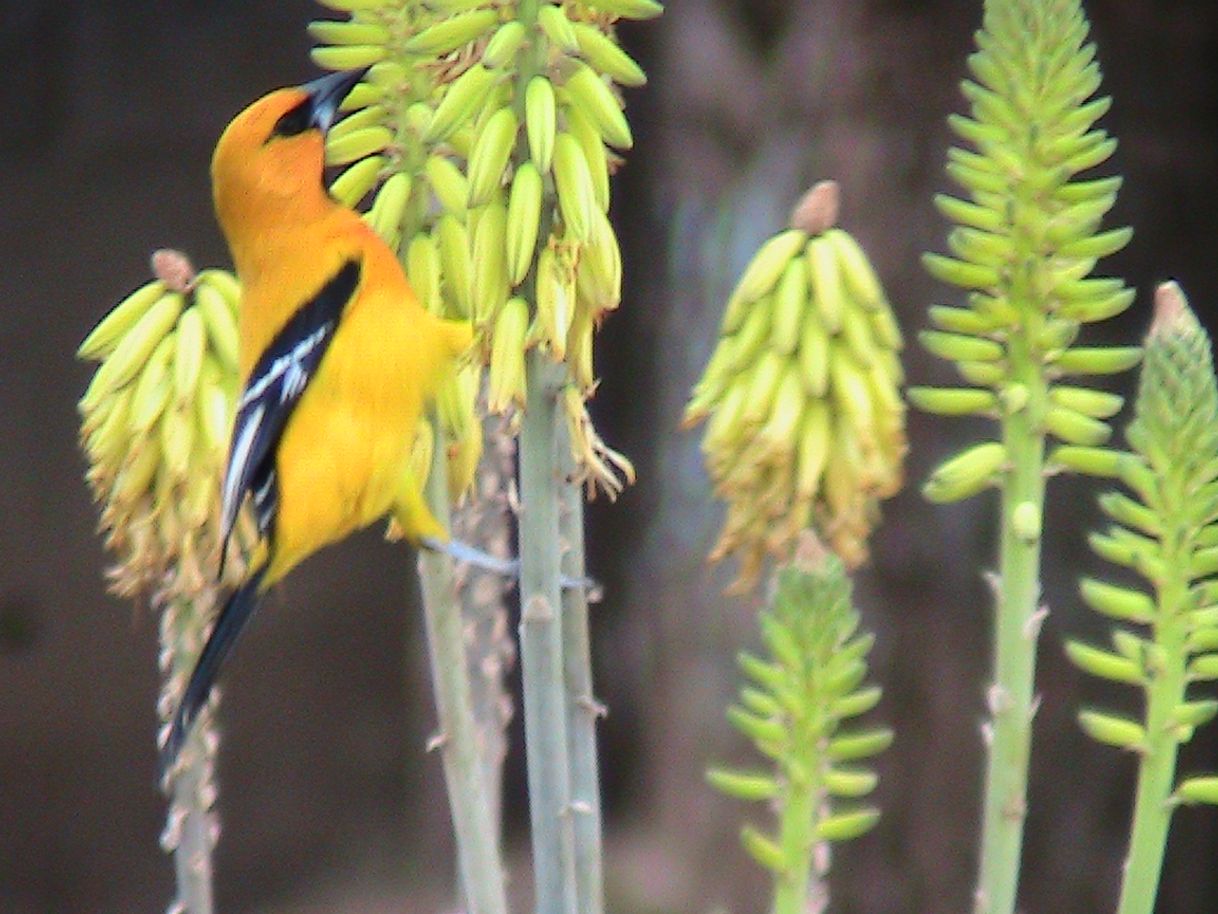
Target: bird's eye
294,121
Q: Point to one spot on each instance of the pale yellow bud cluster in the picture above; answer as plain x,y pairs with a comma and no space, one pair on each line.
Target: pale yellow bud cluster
155,426
806,426
494,122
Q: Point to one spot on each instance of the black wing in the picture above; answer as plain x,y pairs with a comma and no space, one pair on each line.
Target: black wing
272,392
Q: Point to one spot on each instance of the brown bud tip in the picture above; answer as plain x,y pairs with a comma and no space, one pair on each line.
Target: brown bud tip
810,553
816,212
174,269
1172,315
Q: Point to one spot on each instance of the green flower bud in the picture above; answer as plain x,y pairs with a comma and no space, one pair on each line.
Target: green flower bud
1112,730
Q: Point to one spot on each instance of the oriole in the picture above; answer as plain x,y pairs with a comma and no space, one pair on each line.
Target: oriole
337,360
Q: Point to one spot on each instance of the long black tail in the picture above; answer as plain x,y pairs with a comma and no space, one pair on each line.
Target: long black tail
229,625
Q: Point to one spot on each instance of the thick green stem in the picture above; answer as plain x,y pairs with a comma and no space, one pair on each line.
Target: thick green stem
1016,629
555,659
583,710
801,888
541,647
1157,767
483,522
480,863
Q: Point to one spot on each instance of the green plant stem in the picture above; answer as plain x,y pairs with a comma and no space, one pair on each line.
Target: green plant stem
480,863
541,647
583,710
1157,765
791,887
799,889
483,522
191,824
552,737
189,805
1016,629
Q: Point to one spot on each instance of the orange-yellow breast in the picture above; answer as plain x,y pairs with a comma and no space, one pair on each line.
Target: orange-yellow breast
345,450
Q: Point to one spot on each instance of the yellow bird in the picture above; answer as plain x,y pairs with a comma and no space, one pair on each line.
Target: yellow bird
338,360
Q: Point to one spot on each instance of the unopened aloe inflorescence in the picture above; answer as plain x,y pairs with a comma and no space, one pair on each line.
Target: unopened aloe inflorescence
1165,528
799,708
492,127
1026,240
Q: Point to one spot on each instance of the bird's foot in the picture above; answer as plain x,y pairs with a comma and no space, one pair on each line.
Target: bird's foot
508,568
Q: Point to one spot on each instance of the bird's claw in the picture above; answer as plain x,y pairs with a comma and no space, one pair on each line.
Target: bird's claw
508,568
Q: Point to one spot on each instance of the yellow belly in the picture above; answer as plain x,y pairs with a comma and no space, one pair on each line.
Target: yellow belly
343,459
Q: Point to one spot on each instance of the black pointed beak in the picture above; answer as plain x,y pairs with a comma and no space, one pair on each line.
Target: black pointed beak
328,92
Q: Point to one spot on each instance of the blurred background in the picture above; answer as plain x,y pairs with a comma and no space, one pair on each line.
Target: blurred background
329,801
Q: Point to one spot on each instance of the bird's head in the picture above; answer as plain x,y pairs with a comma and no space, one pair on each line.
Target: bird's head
273,152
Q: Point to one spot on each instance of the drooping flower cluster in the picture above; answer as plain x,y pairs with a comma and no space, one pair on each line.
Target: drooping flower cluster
806,426
492,127
155,425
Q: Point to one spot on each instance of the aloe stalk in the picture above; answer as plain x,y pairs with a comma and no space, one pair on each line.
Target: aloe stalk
474,821
798,708
485,521
154,422
541,643
498,123
192,825
1027,235
583,710
1166,530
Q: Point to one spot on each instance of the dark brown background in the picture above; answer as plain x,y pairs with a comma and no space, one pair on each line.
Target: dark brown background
109,112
